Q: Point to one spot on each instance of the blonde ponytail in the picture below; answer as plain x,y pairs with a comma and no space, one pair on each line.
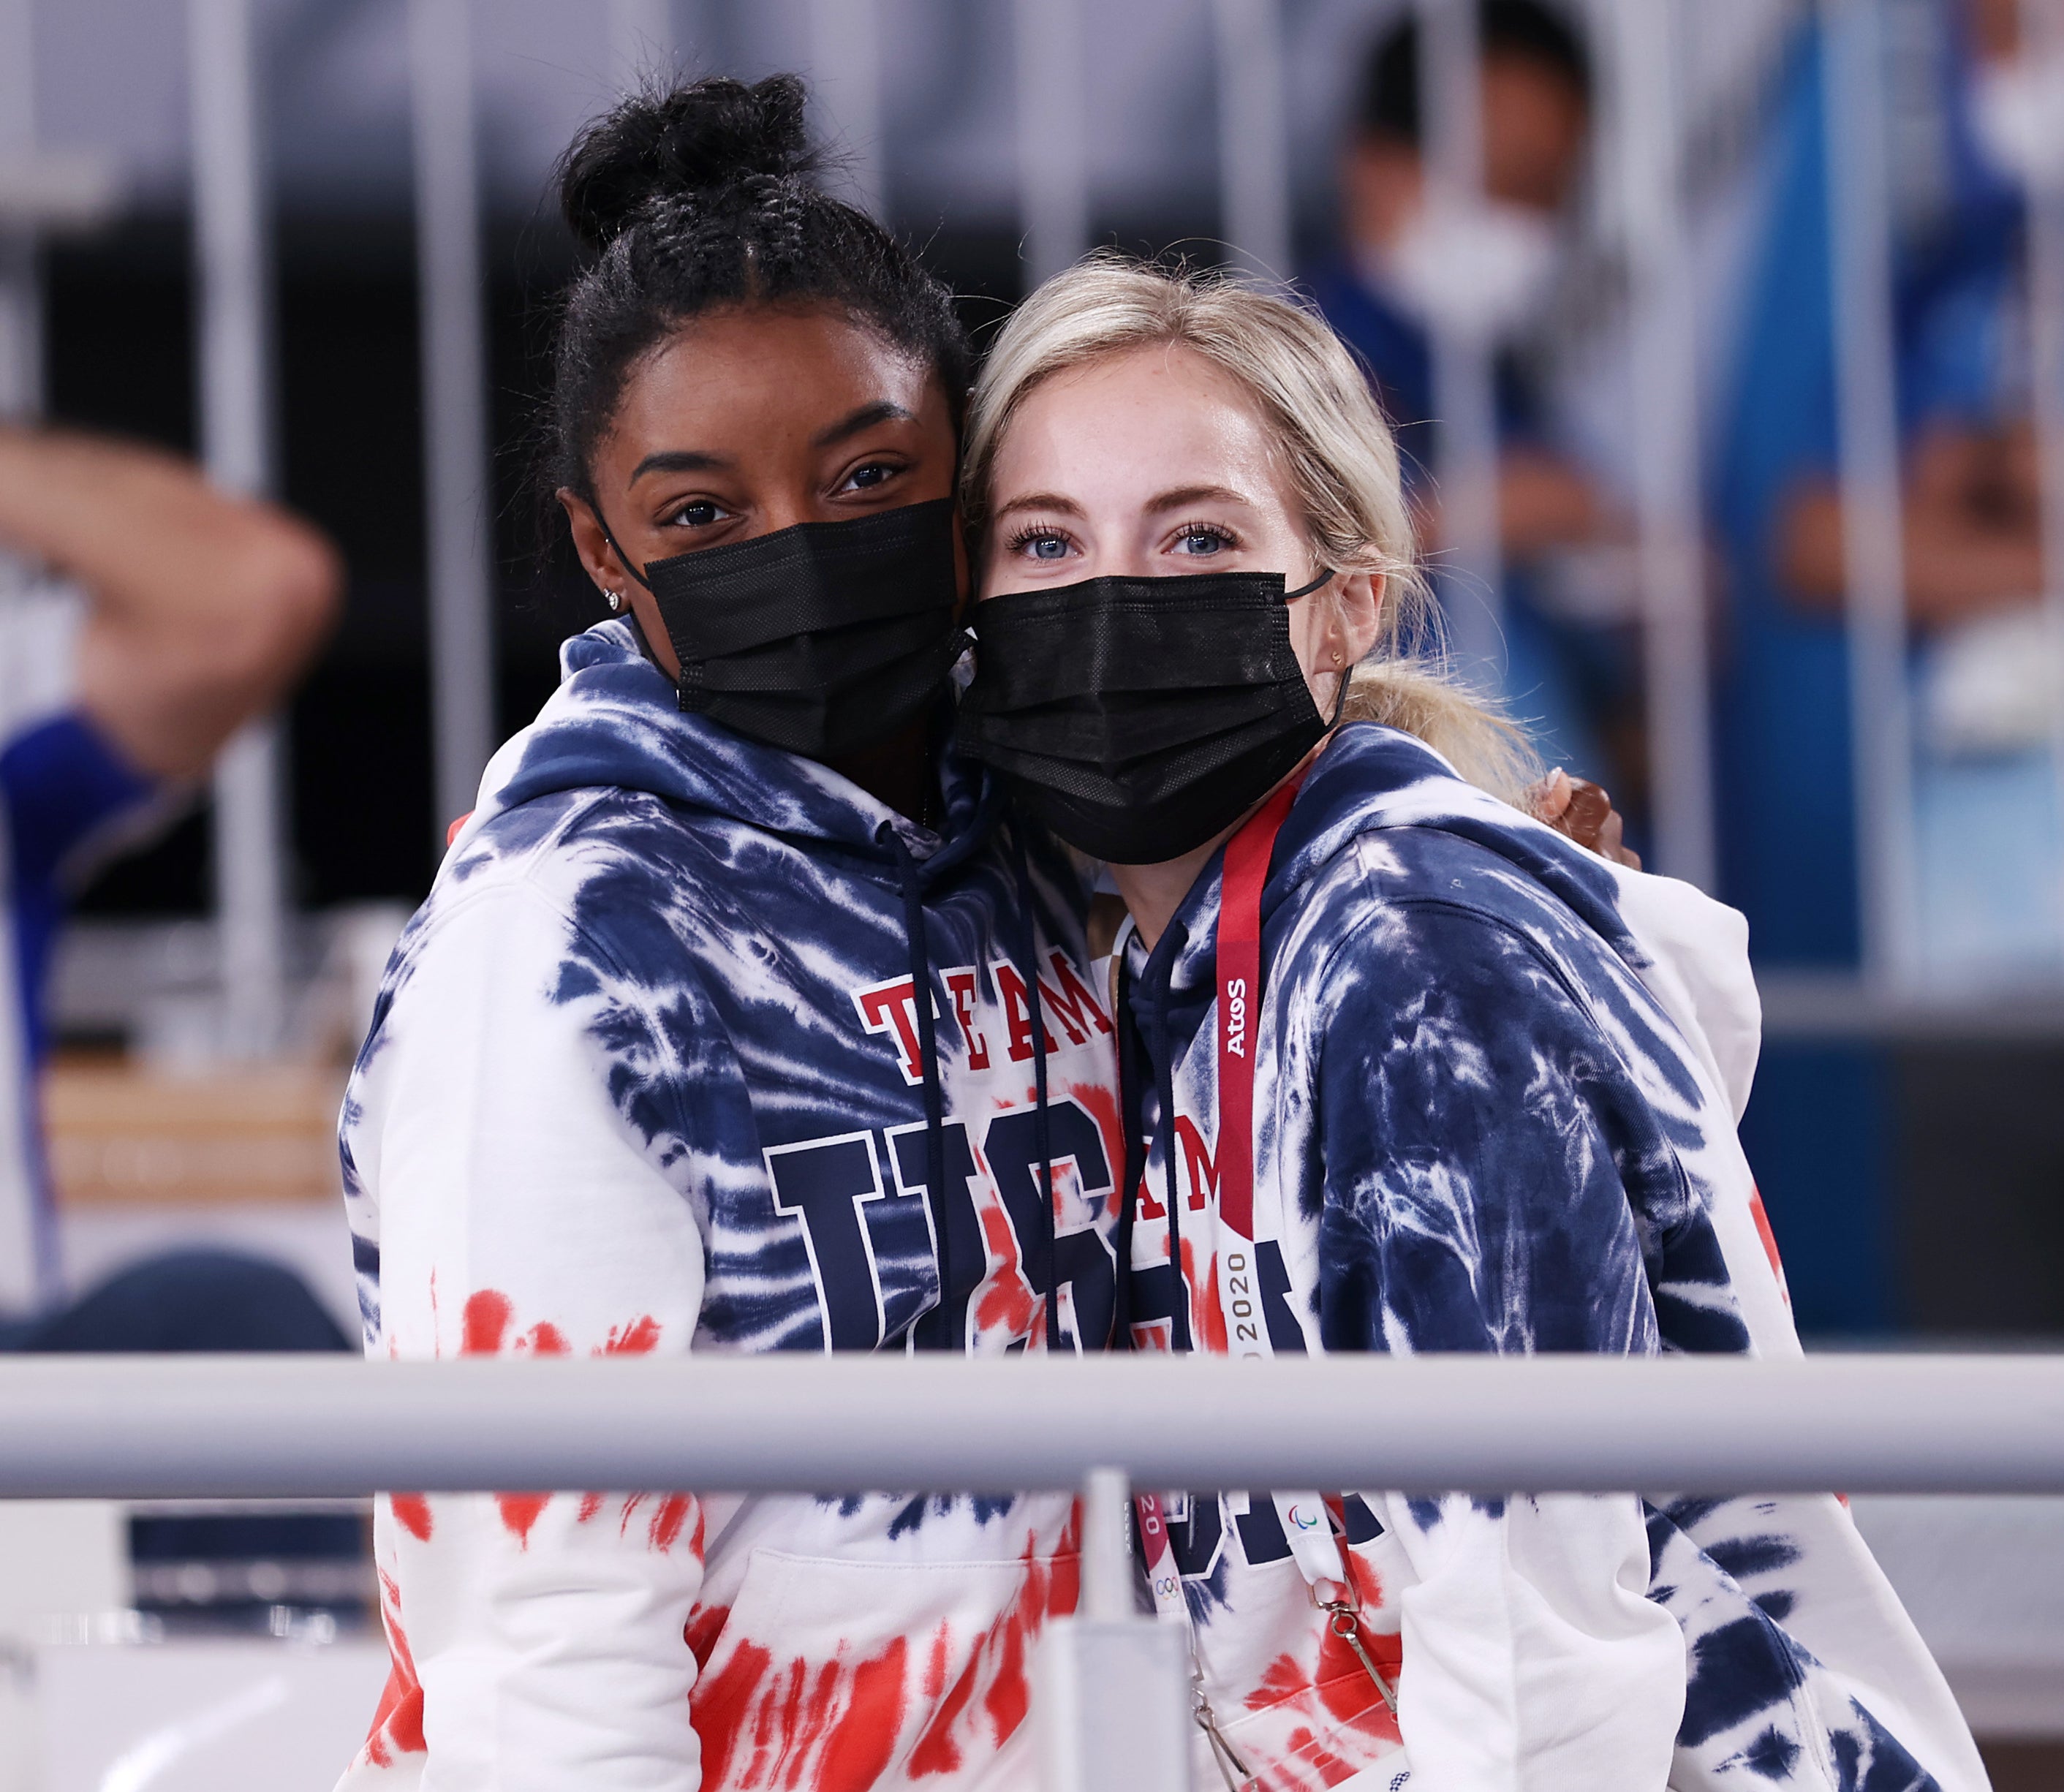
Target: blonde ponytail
1420,697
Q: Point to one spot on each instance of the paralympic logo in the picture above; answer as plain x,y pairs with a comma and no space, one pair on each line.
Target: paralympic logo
1296,1517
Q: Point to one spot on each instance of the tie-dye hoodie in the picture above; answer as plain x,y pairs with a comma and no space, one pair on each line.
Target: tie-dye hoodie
646,1075
1497,1085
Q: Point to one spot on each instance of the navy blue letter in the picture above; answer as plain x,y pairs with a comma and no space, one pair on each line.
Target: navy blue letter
822,1183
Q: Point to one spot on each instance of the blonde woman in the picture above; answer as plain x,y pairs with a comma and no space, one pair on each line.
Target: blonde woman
1417,1075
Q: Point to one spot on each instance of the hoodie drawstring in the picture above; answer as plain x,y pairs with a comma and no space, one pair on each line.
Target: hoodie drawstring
911,874
1028,968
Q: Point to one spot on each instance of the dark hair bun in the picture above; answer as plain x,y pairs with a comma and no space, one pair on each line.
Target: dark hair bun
696,140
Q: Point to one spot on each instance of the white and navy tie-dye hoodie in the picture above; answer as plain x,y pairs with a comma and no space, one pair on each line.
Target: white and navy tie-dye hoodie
646,1075
1497,1088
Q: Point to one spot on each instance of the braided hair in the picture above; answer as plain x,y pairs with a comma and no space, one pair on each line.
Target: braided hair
703,197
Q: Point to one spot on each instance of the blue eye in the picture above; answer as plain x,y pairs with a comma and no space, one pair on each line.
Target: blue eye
1203,540
1036,541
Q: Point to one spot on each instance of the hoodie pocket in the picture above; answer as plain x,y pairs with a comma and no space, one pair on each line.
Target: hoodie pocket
839,1675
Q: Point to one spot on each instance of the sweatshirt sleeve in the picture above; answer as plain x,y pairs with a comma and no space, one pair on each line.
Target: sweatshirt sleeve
502,1203
1484,1156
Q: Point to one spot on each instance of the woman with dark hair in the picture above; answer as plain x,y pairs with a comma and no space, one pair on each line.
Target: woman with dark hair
738,1019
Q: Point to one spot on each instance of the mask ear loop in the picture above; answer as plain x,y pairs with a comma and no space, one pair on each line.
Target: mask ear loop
632,567
1324,578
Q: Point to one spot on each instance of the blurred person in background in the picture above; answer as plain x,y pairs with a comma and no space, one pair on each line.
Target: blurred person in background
1969,120
1972,534
170,614
1394,273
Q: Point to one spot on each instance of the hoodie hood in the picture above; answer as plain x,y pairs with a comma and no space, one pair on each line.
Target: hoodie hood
1691,951
615,722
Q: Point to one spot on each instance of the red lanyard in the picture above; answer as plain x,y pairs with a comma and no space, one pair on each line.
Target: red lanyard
1246,858
1303,1515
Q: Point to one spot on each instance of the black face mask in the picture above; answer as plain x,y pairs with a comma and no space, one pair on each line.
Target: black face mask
823,638
1137,717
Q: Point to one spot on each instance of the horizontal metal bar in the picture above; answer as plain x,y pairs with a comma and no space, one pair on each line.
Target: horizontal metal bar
159,1427
1802,1006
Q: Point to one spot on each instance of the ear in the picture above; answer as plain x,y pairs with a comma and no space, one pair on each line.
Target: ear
1358,614
601,562
597,558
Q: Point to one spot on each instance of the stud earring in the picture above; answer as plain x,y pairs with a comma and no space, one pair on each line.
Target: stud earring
615,601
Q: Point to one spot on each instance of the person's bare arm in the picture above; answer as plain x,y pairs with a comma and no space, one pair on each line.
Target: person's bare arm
1972,541
203,607
1544,502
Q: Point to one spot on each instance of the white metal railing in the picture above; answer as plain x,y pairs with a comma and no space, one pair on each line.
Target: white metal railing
195,1426
21,294
1053,129
845,70
1472,561
1256,202
457,487
233,275
2042,31
1647,42
1859,209
1112,1689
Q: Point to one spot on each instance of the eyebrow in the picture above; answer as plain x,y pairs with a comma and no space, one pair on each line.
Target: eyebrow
882,410
680,460
1040,500
1175,500
1183,496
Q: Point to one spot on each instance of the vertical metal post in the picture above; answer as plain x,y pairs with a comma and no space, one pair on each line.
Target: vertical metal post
1254,135
1109,1687
641,39
1106,1556
25,1267
845,68
1053,133
2043,46
232,255
1647,86
1873,541
1465,380
455,427
21,290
